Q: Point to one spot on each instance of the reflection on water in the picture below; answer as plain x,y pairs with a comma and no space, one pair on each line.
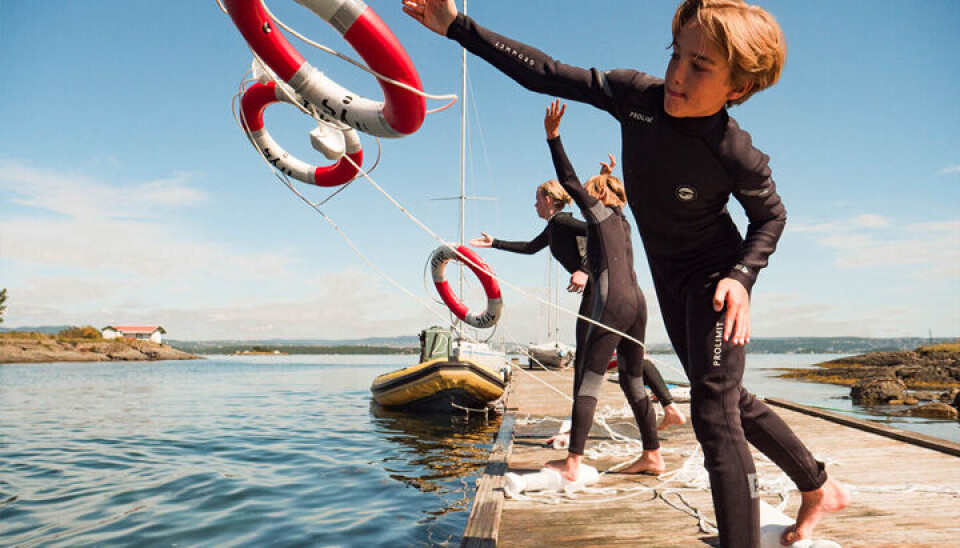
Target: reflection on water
437,453
252,451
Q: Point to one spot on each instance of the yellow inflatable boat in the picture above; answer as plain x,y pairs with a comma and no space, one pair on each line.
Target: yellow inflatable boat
449,373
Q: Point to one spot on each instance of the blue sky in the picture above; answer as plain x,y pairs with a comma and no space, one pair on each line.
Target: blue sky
129,195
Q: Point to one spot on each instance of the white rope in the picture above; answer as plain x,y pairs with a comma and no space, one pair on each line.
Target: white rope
466,260
366,175
291,187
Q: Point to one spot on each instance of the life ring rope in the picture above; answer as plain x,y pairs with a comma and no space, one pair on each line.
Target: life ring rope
403,108
255,100
451,97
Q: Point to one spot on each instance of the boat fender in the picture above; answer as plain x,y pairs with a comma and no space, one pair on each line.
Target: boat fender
772,524
261,95
438,265
548,479
402,111
561,440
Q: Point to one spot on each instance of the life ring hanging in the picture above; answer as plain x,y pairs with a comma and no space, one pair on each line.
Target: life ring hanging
438,265
401,112
254,101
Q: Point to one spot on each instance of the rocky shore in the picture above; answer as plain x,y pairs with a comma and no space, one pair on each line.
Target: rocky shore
922,382
40,349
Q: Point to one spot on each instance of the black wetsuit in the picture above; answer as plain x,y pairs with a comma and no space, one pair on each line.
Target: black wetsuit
566,237
679,174
618,303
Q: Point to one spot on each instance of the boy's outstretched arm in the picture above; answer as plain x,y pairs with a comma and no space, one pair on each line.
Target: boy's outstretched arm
528,66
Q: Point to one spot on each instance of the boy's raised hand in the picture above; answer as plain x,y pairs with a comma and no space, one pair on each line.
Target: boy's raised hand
551,122
436,15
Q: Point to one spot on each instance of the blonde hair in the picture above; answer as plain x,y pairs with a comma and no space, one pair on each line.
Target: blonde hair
553,189
748,35
614,188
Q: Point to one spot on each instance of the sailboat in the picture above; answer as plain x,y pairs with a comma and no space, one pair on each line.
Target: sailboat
552,353
453,373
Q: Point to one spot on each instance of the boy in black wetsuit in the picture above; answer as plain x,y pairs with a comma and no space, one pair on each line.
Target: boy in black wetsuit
684,157
617,303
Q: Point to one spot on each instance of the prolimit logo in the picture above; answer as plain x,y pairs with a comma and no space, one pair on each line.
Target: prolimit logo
718,344
753,485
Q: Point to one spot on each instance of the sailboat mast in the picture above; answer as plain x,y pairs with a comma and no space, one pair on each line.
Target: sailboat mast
463,146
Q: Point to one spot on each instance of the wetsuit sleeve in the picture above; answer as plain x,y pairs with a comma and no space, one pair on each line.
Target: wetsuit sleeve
568,177
536,71
579,229
526,248
757,193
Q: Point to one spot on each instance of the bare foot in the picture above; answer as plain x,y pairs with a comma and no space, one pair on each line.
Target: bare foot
830,497
671,417
650,463
569,467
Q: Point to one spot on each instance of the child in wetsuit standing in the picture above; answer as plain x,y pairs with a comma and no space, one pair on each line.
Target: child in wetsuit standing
684,157
566,238
617,302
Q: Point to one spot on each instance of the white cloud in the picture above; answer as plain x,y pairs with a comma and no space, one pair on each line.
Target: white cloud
83,198
840,225
115,229
61,290
861,242
949,170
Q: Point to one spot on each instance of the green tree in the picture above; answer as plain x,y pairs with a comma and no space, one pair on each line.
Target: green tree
3,302
85,332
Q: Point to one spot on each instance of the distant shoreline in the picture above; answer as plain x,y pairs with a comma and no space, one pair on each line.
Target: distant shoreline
26,348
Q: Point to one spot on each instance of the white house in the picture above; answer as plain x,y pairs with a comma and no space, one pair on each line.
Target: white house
154,333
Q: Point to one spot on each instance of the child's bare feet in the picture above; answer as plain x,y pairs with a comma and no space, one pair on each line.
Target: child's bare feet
569,467
650,463
671,417
830,497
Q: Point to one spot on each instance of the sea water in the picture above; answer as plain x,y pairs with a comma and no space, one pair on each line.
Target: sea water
762,377
228,451
262,451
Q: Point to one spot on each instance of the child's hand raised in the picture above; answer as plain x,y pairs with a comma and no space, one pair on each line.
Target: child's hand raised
551,122
607,169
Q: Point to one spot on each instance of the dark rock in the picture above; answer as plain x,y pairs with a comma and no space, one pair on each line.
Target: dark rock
878,391
932,411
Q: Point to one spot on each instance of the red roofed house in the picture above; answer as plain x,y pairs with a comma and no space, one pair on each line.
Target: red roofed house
154,333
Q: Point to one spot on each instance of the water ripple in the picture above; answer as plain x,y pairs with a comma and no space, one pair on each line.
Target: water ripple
229,452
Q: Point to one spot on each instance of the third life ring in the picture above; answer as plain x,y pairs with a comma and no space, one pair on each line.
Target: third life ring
402,111
438,264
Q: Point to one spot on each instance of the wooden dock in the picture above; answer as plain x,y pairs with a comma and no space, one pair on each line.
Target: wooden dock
905,487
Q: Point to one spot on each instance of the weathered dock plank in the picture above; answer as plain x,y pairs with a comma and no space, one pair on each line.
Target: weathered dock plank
903,494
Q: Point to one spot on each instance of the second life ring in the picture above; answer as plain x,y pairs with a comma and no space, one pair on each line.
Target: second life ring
402,111
438,264
255,99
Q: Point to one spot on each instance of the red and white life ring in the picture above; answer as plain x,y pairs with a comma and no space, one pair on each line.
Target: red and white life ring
438,264
401,112
255,99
